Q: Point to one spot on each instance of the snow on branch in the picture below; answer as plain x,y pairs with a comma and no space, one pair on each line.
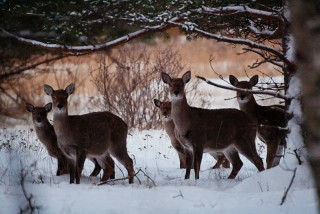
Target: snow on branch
239,41
110,44
265,33
275,94
229,10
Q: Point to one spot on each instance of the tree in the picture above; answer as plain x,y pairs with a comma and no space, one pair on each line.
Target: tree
306,25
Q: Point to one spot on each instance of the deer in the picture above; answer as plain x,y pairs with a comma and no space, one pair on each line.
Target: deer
167,122
94,135
268,119
47,136
228,131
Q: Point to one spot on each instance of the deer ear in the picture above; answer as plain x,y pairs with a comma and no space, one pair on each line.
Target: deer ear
254,80
157,103
186,77
70,88
48,89
165,77
29,107
233,80
48,107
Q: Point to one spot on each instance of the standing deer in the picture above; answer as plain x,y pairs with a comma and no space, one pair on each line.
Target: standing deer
202,130
268,118
95,135
48,138
165,112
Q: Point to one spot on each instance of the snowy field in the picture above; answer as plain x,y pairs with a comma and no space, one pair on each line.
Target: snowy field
163,190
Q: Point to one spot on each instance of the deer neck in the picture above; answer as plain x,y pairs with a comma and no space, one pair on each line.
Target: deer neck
45,131
250,107
61,122
180,114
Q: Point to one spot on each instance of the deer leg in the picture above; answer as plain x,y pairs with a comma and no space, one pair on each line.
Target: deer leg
123,157
108,167
111,163
219,159
72,171
226,163
272,148
80,158
60,167
197,158
233,156
182,160
97,168
63,166
181,153
188,163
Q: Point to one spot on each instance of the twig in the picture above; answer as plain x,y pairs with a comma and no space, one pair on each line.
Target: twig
278,95
287,190
297,156
180,195
125,178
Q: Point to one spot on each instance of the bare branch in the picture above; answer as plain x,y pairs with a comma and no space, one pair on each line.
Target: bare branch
93,48
239,41
240,9
278,95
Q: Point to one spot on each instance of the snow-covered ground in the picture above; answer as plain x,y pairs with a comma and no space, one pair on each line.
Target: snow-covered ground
151,151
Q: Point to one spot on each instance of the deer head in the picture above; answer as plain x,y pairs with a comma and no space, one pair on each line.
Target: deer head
176,85
59,97
244,97
39,114
165,109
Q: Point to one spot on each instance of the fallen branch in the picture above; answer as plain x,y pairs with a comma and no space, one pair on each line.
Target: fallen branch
278,95
287,190
125,178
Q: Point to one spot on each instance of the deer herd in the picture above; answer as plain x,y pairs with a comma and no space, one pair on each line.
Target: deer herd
222,133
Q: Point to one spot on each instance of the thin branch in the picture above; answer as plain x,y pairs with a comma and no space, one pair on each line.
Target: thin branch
239,41
240,9
32,66
125,178
287,190
278,95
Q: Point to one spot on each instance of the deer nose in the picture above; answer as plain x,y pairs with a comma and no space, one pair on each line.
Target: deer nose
176,92
60,106
242,96
38,120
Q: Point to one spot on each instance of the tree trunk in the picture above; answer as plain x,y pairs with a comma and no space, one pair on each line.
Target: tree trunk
305,19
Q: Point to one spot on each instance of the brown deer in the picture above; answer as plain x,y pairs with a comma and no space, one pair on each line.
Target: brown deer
48,138
95,135
165,112
228,131
268,118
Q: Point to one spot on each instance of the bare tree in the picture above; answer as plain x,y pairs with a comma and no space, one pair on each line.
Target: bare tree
128,85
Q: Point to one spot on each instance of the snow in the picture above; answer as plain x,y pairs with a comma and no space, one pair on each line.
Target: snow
151,151
250,192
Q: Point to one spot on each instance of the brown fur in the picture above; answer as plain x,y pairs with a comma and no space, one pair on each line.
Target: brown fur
165,112
45,133
269,116
95,135
228,131
47,136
